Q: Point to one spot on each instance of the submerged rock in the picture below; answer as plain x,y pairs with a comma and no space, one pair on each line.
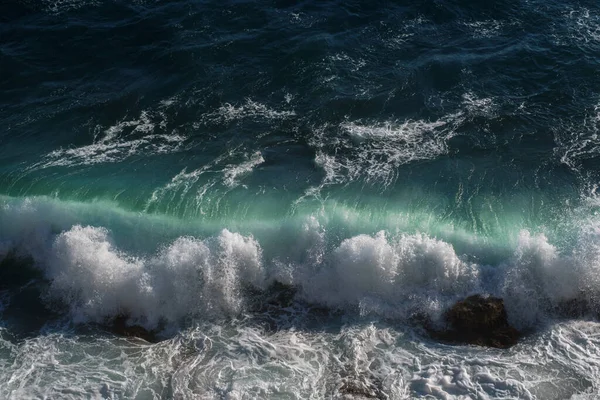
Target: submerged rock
120,327
478,320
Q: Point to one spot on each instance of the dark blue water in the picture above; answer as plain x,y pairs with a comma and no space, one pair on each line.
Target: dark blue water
173,162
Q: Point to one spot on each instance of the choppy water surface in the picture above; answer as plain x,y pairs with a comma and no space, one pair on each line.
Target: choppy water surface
278,188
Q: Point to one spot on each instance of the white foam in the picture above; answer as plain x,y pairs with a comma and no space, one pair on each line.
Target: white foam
200,180
111,152
408,131
60,6
181,184
98,278
584,26
336,171
232,173
374,152
201,279
347,62
188,277
477,106
134,270
393,277
485,28
396,36
240,360
67,367
250,109
146,135
579,141
537,276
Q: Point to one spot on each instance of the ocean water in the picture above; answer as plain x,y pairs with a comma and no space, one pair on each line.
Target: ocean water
277,188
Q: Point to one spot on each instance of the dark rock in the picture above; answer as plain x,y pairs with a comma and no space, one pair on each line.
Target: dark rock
573,308
281,295
120,327
478,320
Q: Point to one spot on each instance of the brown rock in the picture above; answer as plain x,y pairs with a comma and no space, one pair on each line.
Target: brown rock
478,320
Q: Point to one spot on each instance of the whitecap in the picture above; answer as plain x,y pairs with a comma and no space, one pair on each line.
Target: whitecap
250,109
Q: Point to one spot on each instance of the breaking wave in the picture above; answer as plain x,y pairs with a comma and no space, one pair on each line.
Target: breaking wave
97,264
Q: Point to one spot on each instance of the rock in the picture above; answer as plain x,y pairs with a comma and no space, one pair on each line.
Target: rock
574,308
119,326
478,320
281,295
